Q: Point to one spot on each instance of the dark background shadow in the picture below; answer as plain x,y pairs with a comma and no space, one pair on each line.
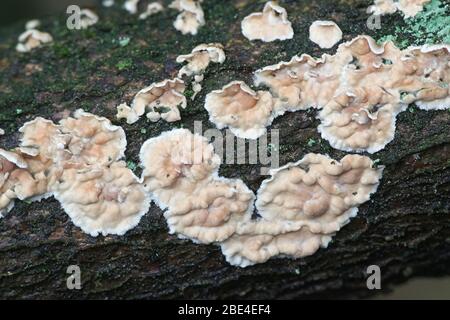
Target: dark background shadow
14,10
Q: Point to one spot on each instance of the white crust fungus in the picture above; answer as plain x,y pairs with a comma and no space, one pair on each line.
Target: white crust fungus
191,16
77,161
410,8
102,200
159,100
87,18
247,113
32,24
306,202
152,8
200,58
197,62
21,177
269,25
301,206
325,33
361,88
247,250
32,39
85,139
180,172
131,6
108,3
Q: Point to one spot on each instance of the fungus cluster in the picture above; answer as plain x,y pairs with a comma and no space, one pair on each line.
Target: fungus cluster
32,38
247,113
301,206
191,16
159,100
360,90
410,8
180,172
77,161
269,25
197,62
162,100
152,8
87,18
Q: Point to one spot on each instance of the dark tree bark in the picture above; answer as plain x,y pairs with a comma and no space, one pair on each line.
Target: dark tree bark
404,228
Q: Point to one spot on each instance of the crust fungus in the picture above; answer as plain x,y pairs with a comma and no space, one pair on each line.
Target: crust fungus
350,125
247,113
269,25
93,139
2,132
83,140
200,58
247,250
87,18
152,8
21,177
410,8
32,24
32,39
304,204
159,100
361,88
325,33
108,3
180,171
175,159
131,6
77,161
197,62
102,200
191,16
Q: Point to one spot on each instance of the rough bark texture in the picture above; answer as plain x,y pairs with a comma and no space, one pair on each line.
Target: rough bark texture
405,228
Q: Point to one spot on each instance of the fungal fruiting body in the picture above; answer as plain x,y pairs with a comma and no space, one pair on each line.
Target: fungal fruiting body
102,200
361,88
20,178
191,16
410,8
107,3
306,203
85,139
32,24
159,100
152,8
269,25
87,18
77,161
197,62
180,173
301,206
325,33
200,58
247,113
131,6
32,39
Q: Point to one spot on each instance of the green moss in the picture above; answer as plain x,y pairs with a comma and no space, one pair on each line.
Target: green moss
131,165
124,64
432,25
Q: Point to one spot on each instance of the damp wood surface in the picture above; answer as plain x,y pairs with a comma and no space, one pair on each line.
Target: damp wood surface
404,228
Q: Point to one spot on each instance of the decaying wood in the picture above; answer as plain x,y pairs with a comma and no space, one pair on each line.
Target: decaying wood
405,228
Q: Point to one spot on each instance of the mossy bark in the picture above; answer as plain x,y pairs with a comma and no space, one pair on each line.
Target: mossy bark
405,228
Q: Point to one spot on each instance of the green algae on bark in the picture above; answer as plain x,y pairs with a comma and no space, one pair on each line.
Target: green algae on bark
430,26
